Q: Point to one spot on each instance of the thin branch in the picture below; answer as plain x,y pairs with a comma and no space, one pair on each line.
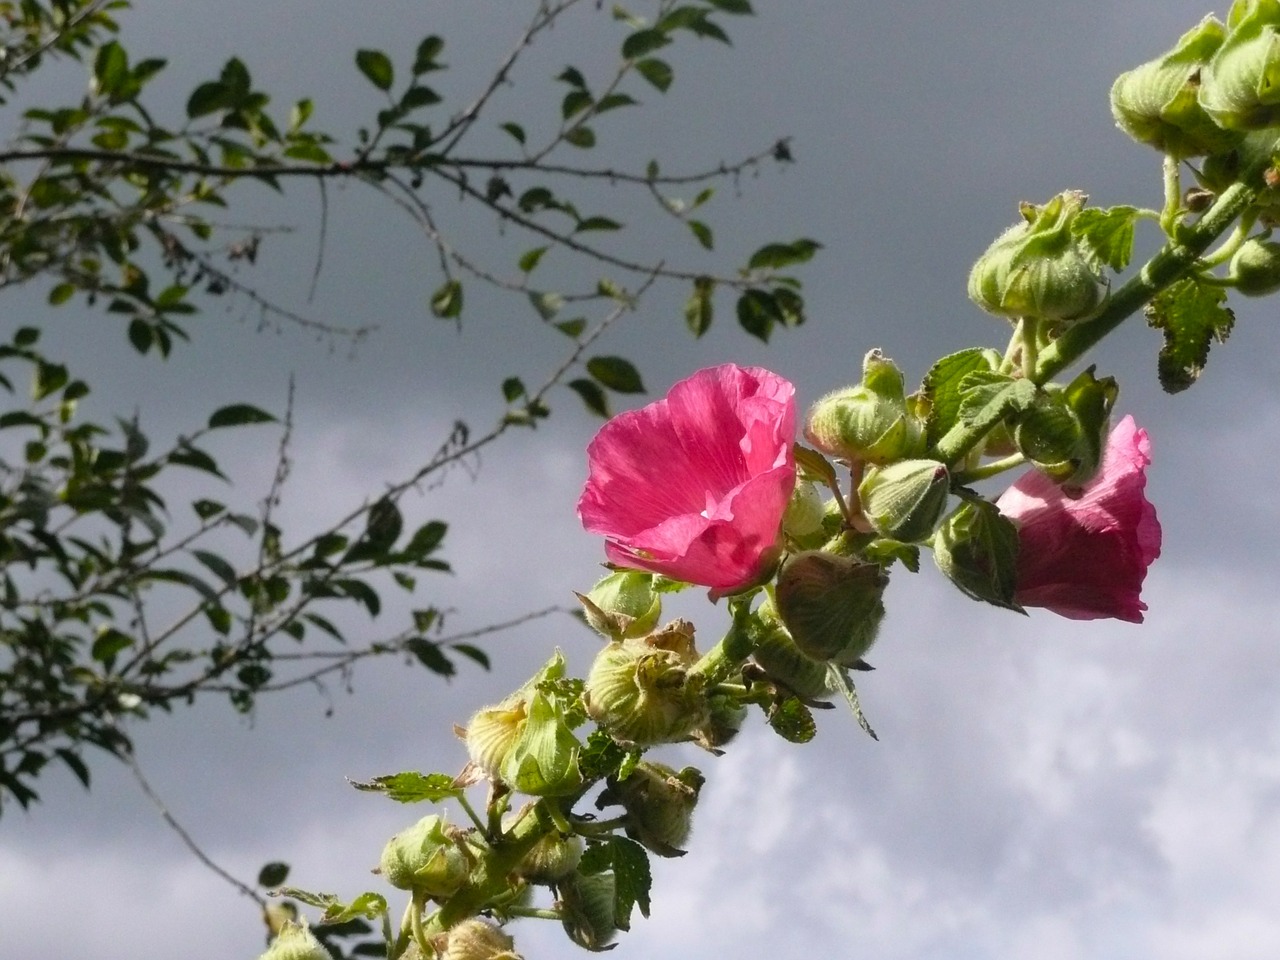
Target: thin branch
132,762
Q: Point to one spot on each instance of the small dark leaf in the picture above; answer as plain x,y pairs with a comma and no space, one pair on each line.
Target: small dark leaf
516,131
778,256
446,303
582,137
376,66
425,60
757,313
426,540
530,259
473,653
792,721
616,373
642,42
431,656
592,396
273,874
1191,316
657,72
597,223
703,233
698,310
239,414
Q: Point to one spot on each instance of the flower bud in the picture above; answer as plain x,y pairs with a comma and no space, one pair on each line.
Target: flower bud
905,500
587,909
659,802
867,422
636,688
1157,103
1238,86
831,605
805,513
428,858
623,604
1255,268
977,549
553,857
725,717
477,939
525,741
295,941
1039,269
779,657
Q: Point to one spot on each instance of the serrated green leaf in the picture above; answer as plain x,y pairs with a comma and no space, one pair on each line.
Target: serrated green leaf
987,398
616,373
592,396
657,72
942,388
792,721
409,787
238,414
376,66
1190,315
1107,233
633,879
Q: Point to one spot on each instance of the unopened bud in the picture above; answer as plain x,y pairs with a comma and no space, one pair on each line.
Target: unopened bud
623,604
784,662
554,856
295,941
1238,86
1157,103
659,802
1255,268
905,500
869,421
477,939
429,858
587,909
977,548
805,512
832,606
1039,268
636,689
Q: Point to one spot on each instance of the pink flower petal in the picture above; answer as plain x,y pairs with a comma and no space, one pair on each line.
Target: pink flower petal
694,486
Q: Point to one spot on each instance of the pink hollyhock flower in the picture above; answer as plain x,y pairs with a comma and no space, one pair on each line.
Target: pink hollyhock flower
694,486
1085,557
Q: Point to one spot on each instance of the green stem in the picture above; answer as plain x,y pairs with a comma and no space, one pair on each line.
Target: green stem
727,655
1171,263
991,469
1172,196
1029,327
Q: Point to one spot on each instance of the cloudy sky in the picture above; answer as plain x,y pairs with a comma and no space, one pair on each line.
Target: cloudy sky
1041,788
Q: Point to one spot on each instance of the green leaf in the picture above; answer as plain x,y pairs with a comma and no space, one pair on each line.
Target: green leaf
597,223
110,69
426,539
416,97
516,131
141,334
657,72
546,303
613,101
219,567
474,654
446,302
642,42
987,398
61,294
376,66
1190,315
572,328
273,874
575,101
513,389
632,878
50,377
75,765
703,233
208,98
239,414
531,258
615,373
732,6
430,656
592,396
108,644
1108,234
698,309
942,388
573,76
792,721
757,313
778,256
425,59
977,548
583,138
412,787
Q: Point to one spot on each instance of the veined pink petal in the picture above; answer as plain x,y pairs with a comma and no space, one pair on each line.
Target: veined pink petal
1085,557
694,486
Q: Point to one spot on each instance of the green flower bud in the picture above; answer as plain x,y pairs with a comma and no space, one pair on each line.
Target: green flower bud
429,858
1240,86
1157,103
977,548
295,941
659,802
832,606
636,689
525,742
622,605
552,858
777,654
725,717
1255,268
1039,269
587,909
905,500
477,939
805,512
867,422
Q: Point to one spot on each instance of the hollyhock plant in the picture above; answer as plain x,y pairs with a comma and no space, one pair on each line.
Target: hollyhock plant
1085,557
694,486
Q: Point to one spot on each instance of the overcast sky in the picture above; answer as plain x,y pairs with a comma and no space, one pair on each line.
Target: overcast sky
1041,788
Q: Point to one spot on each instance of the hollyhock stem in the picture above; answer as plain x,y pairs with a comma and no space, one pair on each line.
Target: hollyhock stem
986,470
1171,263
736,645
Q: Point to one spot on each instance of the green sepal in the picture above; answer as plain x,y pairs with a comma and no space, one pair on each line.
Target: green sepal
976,547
